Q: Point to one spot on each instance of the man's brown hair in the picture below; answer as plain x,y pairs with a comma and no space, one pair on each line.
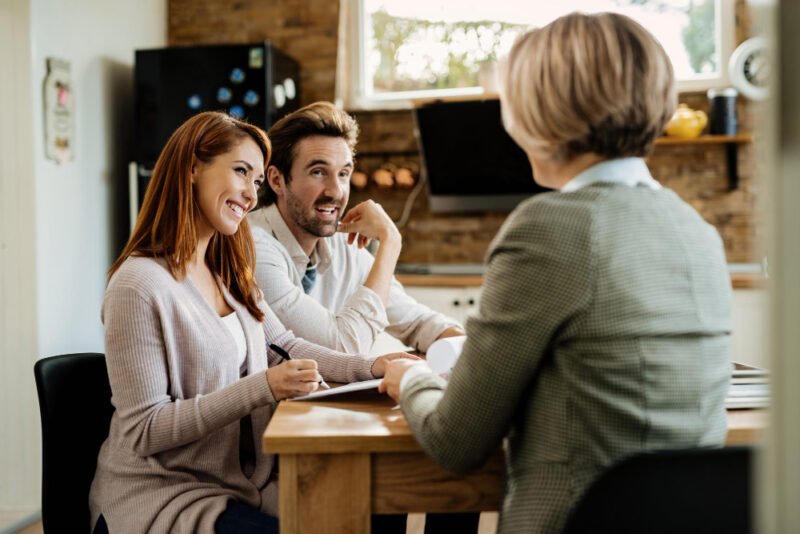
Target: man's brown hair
319,118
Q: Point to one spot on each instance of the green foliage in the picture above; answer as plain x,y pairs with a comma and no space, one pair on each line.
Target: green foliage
403,65
698,36
390,34
459,68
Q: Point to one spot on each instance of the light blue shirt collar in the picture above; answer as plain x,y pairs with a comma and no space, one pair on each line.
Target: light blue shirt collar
626,171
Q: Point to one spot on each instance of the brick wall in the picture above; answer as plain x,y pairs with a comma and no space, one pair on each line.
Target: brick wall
307,30
698,173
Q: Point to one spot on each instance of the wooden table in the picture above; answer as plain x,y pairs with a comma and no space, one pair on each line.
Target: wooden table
344,458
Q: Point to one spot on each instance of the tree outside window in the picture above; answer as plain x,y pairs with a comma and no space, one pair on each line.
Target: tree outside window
419,45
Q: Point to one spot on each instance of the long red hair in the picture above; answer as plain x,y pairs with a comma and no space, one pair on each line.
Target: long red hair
167,224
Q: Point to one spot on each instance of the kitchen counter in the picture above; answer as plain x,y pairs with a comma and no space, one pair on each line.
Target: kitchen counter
440,280
437,275
747,281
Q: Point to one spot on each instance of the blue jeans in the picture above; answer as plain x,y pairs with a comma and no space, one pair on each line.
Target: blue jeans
100,527
240,518
236,518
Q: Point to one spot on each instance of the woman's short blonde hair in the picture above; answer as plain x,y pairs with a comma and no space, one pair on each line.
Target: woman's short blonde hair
587,83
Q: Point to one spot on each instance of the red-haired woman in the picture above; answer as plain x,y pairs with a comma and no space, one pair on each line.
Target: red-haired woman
185,334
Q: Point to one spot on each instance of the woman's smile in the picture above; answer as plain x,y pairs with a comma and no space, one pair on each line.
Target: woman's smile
238,209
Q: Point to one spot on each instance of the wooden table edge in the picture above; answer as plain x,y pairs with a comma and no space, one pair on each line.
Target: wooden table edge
745,427
337,444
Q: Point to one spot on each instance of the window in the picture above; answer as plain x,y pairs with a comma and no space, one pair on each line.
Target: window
405,49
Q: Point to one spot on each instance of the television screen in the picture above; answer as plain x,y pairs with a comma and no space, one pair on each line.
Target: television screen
471,163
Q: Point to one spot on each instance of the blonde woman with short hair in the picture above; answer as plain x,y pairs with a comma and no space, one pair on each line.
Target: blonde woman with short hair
605,314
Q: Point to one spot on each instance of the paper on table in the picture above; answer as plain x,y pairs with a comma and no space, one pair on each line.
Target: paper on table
443,353
354,386
441,356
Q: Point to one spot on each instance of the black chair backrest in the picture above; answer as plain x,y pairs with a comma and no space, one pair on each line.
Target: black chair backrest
687,491
75,403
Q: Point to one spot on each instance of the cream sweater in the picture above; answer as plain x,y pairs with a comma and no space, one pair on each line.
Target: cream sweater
172,458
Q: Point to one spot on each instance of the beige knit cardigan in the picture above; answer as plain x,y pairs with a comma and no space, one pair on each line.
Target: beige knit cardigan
172,458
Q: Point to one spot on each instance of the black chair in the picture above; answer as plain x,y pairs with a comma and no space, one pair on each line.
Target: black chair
687,491
75,403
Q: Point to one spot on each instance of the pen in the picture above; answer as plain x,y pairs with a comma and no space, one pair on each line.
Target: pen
285,355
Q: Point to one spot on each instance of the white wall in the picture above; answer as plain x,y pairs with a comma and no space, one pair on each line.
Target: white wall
81,206
62,225
749,334
19,420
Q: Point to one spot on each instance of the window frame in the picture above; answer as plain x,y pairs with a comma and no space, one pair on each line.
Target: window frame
357,97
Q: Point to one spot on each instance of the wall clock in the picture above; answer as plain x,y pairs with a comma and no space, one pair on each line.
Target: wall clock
749,68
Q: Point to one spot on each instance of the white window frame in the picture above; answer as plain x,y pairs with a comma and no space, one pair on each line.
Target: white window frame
358,97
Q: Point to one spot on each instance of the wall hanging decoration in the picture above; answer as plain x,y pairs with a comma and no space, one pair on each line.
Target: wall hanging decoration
59,115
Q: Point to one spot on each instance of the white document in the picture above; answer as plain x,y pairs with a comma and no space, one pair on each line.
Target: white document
353,386
441,356
443,353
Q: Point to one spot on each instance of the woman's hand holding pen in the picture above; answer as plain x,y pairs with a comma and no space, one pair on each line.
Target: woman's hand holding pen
379,365
293,378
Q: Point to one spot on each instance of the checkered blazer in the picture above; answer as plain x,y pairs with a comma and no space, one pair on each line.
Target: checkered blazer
602,331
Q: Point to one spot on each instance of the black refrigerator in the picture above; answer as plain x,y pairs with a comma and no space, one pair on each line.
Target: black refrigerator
255,82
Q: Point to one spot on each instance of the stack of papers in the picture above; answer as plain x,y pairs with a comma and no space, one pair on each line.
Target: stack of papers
749,388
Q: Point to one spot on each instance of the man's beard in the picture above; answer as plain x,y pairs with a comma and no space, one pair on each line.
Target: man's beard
309,223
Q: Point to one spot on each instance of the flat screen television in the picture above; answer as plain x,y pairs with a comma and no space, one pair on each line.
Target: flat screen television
470,162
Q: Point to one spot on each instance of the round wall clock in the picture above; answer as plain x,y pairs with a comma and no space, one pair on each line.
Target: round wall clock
749,68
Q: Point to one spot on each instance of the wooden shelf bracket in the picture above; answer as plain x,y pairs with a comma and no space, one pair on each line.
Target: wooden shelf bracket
731,143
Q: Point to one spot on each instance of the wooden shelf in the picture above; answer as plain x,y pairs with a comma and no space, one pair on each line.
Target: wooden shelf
731,143
705,139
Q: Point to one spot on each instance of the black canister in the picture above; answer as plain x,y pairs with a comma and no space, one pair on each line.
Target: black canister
723,111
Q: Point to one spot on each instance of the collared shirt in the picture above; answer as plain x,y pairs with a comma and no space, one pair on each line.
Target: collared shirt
339,312
627,171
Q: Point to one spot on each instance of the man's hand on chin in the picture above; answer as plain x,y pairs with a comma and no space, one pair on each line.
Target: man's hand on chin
366,221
